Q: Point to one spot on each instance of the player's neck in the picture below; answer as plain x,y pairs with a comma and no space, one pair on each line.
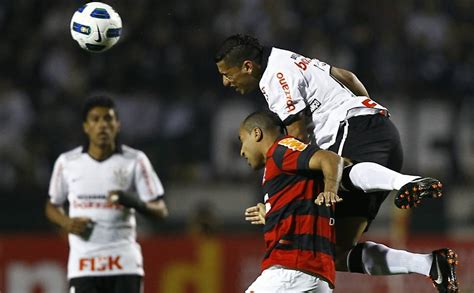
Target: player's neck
267,143
101,153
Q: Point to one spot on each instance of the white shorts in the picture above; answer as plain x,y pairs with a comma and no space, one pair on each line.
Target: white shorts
277,279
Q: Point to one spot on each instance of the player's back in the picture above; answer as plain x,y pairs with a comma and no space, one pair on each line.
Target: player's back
292,82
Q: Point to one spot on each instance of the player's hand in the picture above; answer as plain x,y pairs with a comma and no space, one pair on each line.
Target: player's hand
80,226
122,198
127,199
255,214
329,198
114,196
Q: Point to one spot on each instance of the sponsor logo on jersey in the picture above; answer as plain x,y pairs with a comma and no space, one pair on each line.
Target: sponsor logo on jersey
293,144
100,263
94,202
286,89
314,105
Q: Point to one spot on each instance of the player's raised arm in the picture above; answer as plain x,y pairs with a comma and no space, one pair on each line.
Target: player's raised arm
350,80
331,166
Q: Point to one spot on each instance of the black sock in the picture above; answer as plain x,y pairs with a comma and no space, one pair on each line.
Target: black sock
354,259
346,182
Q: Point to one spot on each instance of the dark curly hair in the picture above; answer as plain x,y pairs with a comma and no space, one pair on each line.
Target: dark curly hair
97,101
237,48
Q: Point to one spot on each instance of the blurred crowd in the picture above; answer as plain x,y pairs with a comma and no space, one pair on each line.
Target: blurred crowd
163,77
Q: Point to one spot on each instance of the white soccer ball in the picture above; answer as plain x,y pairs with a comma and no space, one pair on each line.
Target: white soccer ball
96,27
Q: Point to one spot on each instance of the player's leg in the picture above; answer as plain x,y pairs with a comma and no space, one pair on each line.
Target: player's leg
363,139
377,259
371,177
84,285
376,139
348,232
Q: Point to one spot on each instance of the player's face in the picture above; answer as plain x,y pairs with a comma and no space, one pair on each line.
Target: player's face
101,126
249,149
242,78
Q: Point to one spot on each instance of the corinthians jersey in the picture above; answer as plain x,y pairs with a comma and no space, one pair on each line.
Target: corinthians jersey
111,248
292,83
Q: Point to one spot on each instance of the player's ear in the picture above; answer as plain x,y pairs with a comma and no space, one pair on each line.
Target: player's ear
257,134
247,66
85,127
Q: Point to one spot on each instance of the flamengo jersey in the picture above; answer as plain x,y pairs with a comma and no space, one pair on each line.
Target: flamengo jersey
298,233
292,83
111,248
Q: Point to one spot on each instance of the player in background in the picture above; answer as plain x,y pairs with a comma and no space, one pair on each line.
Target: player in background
105,183
299,234
307,93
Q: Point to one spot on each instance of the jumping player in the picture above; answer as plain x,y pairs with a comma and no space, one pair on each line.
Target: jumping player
105,183
306,93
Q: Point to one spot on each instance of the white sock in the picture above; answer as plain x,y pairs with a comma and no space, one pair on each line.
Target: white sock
372,177
378,259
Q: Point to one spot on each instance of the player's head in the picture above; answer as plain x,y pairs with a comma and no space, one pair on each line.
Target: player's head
257,133
100,121
239,60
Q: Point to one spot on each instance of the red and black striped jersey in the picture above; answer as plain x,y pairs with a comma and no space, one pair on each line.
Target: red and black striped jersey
298,233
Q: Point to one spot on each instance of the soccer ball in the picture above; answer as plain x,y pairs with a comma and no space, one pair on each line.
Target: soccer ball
96,27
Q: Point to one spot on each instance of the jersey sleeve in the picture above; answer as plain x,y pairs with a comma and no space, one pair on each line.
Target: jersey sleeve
283,92
293,156
147,183
58,188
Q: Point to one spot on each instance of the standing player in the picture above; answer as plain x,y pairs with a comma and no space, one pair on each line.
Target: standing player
105,183
299,235
307,92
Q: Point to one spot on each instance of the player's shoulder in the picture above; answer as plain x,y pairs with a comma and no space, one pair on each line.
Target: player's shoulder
278,52
293,143
131,153
278,58
73,154
280,66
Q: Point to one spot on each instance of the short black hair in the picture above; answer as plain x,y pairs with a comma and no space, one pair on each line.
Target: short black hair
237,48
264,120
97,101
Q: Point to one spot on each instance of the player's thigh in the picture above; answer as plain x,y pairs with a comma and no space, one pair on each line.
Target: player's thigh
281,280
84,285
348,232
127,284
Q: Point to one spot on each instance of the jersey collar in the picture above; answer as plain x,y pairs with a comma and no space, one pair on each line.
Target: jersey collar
118,150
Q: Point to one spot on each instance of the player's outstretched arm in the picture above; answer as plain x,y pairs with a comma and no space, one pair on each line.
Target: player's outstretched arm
331,166
80,226
255,214
156,208
350,80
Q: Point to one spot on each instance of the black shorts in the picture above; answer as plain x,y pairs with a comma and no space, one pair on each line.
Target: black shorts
368,138
107,284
